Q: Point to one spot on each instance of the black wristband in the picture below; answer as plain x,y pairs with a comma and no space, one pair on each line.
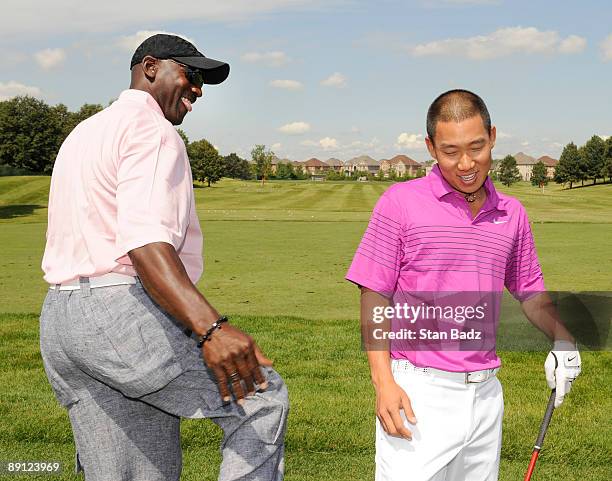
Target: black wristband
215,325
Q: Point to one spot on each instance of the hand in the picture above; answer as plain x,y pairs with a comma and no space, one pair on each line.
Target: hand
562,367
390,398
234,358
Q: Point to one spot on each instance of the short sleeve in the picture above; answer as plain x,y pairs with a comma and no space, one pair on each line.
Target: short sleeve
376,264
153,204
523,272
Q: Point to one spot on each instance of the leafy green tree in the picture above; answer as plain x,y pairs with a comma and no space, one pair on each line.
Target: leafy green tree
582,172
236,167
262,159
606,168
595,155
567,170
420,172
538,175
29,134
508,172
285,170
86,111
206,164
334,175
183,136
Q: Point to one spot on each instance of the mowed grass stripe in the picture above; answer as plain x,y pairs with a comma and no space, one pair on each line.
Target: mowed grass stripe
31,190
267,197
356,200
310,198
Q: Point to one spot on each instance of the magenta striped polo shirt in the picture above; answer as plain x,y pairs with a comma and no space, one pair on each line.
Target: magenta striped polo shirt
422,243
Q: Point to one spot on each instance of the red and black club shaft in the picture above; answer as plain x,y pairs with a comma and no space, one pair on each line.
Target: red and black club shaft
544,426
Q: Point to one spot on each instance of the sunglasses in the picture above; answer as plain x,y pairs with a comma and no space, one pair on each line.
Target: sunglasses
194,76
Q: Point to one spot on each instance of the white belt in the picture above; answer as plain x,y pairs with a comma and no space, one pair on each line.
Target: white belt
105,280
462,377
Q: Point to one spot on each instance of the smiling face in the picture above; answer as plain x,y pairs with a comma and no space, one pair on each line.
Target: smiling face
171,89
463,151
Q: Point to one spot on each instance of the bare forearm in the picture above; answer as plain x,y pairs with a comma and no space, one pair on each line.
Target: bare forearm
377,350
542,313
164,277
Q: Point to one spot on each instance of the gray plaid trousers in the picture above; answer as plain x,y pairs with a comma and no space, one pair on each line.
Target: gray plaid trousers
127,373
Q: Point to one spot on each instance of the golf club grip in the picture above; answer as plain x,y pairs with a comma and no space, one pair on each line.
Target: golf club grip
547,416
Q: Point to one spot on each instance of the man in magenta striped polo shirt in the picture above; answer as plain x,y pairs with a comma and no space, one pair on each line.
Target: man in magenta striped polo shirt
432,265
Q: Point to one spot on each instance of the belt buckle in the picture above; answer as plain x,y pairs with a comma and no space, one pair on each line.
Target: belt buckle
480,376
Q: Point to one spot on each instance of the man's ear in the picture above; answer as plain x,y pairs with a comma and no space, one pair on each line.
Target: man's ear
430,147
150,67
492,136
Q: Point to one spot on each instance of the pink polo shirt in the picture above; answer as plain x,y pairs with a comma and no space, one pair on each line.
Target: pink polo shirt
121,180
422,245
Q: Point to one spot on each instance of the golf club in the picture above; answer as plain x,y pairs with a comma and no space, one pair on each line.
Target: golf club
543,428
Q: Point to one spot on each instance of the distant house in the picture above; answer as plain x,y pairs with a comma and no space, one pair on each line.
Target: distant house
315,166
276,161
363,163
401,165
526,162
335,164
298,166
550,164
428,165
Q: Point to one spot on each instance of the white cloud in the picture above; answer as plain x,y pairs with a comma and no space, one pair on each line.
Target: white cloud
295,128
365,145
328,143
524,143
276,146
21,17
572,44
501,43
604,137
503,135
286,84
309,143
50,58
13,89
335,80
272,59
410,141
606,48
129,43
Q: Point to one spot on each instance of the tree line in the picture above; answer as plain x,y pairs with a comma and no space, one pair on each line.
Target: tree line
31,133
591,161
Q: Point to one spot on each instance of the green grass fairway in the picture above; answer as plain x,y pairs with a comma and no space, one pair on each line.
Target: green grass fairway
275,258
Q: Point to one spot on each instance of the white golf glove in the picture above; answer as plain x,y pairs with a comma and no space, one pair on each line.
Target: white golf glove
562,366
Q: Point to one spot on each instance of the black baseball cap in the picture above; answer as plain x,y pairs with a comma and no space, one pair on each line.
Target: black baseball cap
164,46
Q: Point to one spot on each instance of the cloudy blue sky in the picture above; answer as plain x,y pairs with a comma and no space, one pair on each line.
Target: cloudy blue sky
338,77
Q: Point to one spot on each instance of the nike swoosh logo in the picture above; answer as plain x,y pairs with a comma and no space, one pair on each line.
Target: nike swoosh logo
500,221
569,359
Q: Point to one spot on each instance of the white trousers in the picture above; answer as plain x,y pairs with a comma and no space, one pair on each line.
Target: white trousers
457,436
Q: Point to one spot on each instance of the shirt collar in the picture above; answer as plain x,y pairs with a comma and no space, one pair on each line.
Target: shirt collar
142,97
441,188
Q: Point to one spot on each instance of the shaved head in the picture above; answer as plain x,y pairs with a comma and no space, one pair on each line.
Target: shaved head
456,106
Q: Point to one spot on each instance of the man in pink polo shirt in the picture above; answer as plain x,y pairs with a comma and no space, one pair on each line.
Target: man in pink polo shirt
432,265
128,343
